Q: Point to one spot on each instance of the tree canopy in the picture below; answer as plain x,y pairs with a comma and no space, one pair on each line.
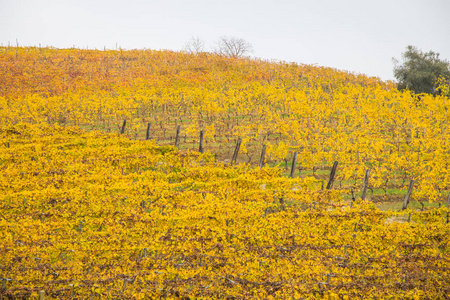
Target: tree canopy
420,71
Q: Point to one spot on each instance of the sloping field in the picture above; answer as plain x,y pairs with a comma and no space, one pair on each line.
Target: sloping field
90,215
89,212
324,114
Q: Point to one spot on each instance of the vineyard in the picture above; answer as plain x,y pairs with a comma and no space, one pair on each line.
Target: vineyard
95,207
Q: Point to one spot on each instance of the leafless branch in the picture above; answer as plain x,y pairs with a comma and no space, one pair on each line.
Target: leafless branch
194,45
233,46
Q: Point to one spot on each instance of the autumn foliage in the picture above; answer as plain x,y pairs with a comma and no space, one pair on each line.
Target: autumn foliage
89,213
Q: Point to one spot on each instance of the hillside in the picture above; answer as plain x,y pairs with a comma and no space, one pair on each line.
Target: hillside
324,114
90,215
101,200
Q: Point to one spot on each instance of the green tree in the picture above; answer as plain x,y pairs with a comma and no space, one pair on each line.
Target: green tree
420,71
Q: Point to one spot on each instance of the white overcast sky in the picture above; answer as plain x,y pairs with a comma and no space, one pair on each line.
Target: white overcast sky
354,35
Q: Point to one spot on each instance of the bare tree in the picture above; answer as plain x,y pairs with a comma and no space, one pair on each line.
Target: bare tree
233,46
194,45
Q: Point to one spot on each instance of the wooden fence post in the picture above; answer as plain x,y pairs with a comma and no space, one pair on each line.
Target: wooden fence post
408,194
332,174
177,137
294,163
236,150
263,156
200,148
122,131
147,134
41,295
365,185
